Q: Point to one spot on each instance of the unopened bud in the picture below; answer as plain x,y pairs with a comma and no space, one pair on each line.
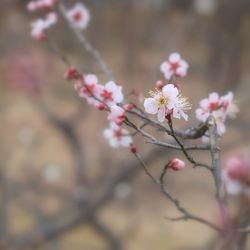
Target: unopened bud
101,106
128,106
133,148
159,84
71,73
176,164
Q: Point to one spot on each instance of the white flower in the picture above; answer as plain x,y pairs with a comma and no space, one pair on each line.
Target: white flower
175,66
117,136
41,25
117,114
79,16
220,107
111,93
167,101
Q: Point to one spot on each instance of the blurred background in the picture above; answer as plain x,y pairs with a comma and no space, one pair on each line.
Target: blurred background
61,185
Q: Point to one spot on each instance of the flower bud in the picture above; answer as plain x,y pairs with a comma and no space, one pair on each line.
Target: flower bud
71,73
128,106
101,106
176,164
159,84
133,148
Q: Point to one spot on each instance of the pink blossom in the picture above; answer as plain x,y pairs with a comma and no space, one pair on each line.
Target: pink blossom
117,114
167,101
41,4
90,90
220,107
236,174
111,93
117,136
176,164
79,16
175,66
41,25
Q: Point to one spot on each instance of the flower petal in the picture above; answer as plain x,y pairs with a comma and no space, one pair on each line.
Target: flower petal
151,105
170,91
161,114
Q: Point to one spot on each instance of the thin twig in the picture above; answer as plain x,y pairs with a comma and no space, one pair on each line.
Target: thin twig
86,44
189,158
186,214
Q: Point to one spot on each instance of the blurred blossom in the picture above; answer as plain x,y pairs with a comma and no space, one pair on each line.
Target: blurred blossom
26,70
117,136
79,16
26,136
122,190
205,7
236,174
52,173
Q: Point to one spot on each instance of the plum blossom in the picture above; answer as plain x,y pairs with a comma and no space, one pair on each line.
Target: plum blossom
117,136
236,174
220,107
97,95
79,16
111,93
175,66
117,114
90,89
176,164
41,4
167,101
41,25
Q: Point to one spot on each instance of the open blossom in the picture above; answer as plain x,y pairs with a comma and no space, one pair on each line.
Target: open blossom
236,174
175,66
117,136
41,25
97,95
220,107
111,93
167,101
41,4
117,114
79,16
90,89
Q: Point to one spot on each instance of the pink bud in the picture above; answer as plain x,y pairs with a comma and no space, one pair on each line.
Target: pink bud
71,73
133,148
101,106
176,164
159,84
128,106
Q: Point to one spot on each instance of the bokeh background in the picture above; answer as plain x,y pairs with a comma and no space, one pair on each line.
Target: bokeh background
62,186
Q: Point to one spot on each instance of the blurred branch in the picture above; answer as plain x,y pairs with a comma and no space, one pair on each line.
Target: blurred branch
67,220
86,44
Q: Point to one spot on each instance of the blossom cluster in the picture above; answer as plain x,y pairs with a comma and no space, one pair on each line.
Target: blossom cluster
108,96
78,16
166,101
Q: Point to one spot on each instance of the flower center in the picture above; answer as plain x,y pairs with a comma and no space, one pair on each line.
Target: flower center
78,16
162,101
107,95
